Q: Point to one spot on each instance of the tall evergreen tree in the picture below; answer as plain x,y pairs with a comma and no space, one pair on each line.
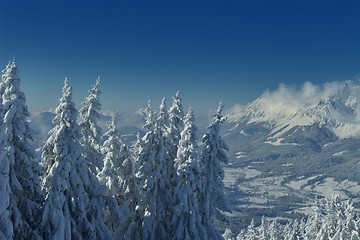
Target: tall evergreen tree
151,179
176,121
117,174
263,229
26,196
132,210
90,131
6,226
169,154
176,124
228,235
274,231
186,220
251,231
117,165
74,206
212,197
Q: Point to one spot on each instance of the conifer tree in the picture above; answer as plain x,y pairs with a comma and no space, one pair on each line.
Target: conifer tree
186,219
168,171
74,206
274,230
132,217
6,226
117,174
241,235
211,194
117,165
151,179
89,129
228,235
26,196
263,229
176,122
251,232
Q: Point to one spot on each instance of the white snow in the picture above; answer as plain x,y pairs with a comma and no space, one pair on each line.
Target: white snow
339,153
240,155
287,164
335,106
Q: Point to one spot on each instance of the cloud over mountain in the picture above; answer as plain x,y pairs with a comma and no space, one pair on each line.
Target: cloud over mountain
334,105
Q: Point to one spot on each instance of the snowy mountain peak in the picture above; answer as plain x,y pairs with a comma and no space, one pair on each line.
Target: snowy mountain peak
333,105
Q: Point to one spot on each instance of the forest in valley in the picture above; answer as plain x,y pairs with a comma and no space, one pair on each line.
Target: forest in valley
168,184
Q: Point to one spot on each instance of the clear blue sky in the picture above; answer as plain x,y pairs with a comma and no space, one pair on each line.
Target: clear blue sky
210,50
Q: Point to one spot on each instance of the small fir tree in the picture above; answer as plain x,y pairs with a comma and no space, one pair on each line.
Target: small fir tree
263,229
228,235
251,232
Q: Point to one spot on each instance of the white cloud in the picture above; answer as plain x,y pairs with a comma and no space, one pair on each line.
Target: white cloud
237,107
289,100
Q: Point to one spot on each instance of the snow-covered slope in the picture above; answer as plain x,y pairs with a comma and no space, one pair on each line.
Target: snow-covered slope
336,108
300,143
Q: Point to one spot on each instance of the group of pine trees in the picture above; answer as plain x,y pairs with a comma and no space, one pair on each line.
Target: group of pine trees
89,185
330,219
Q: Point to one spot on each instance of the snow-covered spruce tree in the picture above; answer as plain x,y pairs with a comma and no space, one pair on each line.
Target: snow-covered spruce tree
176,121
176,124
263,229
141,152
211,194
6,226
90,131
338,219
169,154
274,231
186,219
228,235
151,181
131,210
314,222
330,219
117,168
26,196
241,235
74,206
251,232
117,174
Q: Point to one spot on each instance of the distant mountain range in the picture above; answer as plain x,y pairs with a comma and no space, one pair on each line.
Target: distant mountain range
288,148
338,110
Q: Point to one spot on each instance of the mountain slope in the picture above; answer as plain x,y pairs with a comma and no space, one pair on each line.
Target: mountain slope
289,146
338,110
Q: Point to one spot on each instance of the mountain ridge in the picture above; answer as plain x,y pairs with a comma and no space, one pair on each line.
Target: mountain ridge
338,110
